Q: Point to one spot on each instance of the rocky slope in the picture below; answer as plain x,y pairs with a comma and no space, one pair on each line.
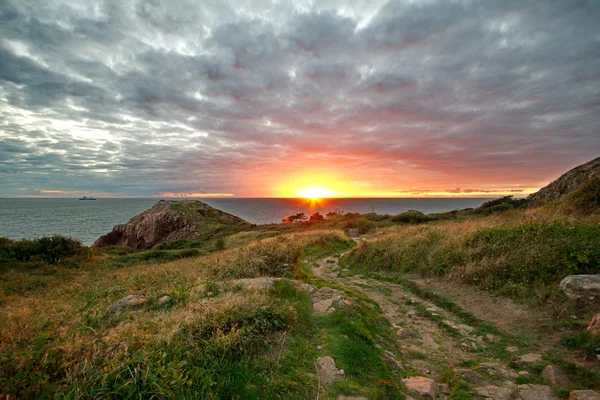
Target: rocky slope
567,183
167,221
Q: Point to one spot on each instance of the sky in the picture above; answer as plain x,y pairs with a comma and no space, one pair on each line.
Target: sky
259,98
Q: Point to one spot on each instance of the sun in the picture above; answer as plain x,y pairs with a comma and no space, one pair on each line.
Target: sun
315,192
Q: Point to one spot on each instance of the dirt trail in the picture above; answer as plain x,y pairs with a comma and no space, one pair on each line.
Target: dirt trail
433,340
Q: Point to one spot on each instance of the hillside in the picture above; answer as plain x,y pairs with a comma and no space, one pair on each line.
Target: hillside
568,183
168,221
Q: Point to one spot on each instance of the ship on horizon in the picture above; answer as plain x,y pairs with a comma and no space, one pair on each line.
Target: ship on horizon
87,198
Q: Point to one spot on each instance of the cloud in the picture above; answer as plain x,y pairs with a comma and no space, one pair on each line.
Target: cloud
143,98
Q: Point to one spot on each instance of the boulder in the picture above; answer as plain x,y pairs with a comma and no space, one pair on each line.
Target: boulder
128,303
536,392
327,371
426,387
594,325
555,376
494,392
584,395
167,221
581,286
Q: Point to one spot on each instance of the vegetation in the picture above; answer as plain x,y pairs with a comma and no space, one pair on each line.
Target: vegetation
517,259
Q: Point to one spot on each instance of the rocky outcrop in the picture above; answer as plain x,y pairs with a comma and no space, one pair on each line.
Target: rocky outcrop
567,183
584,395
167,221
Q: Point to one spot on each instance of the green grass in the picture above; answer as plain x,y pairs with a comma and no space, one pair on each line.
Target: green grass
518,260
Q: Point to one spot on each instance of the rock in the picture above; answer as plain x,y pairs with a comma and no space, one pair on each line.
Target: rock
163,299
405,333
308,288
167,221
581,286
471,376
555,376
491,338
494,392
523,373
326,300
342,397
567,183
392,357
128,303
512,349
531,358
594,325
411,313
584,395
255,283
327,371
536,392
426,387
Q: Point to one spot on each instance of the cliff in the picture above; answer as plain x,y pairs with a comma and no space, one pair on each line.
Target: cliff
167,221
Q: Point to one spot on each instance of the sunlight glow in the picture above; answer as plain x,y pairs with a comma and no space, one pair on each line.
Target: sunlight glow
315,192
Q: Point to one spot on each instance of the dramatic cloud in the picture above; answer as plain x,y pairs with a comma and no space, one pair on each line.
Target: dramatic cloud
252,98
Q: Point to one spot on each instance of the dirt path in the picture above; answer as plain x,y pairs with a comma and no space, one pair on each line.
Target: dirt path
434,341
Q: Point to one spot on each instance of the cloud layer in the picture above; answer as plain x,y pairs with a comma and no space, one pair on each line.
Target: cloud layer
140,97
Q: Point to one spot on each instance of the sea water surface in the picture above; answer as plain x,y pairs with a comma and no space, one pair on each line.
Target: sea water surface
87,220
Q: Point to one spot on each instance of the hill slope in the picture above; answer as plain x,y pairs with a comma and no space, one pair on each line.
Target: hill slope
567,183
168,221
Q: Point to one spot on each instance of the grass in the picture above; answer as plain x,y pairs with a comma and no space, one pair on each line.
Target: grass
517,259
58,339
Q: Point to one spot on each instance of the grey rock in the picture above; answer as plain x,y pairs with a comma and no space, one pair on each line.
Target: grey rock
536,392
406,333
164,299
128,303
494,392
471,376
531,358
581,286
327,371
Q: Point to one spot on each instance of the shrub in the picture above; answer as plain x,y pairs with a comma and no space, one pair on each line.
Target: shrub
50,250
410,217
587,198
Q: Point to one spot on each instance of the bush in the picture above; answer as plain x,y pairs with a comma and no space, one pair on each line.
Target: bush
50,250
410,217
587,198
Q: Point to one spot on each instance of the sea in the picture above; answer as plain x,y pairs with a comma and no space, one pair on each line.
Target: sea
87,220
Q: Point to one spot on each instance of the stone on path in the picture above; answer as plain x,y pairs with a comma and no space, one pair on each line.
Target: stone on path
327,371
531,358
555,376
536,392
128,303
405,333
494,392
326,300
426,387
584,395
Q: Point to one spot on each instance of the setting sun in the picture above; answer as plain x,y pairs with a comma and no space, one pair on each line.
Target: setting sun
315,193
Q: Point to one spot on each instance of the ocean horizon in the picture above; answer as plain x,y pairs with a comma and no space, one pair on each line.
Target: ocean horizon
87,220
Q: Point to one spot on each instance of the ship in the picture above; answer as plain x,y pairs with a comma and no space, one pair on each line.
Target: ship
87,198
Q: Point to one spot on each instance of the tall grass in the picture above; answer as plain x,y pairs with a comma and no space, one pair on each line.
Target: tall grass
514,258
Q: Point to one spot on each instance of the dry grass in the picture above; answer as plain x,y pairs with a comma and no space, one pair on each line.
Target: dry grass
69,317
